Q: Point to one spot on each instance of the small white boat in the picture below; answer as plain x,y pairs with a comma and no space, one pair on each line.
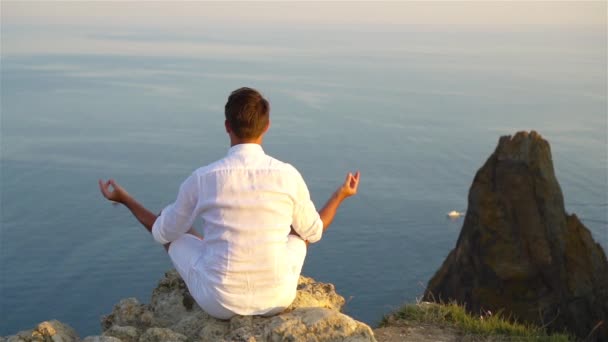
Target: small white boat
455,214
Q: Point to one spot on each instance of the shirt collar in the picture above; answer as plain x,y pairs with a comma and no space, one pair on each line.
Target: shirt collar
246,149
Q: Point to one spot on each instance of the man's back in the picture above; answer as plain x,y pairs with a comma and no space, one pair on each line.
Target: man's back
248,201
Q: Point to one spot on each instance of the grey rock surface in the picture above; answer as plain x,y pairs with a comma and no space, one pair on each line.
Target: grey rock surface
124,333
47,331
173,315
162,335
101,339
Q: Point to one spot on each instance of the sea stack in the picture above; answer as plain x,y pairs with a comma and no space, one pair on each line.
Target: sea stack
520,252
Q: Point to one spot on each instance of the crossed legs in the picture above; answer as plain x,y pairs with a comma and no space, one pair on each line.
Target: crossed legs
192,231
293,232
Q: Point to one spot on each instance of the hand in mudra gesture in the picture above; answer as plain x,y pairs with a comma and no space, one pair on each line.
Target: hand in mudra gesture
112,191
350,185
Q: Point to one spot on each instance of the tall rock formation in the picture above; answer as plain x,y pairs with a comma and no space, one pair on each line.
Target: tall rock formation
518,250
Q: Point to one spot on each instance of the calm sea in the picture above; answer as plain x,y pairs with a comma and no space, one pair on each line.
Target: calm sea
416,111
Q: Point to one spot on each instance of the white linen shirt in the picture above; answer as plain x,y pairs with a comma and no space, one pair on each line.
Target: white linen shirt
247,202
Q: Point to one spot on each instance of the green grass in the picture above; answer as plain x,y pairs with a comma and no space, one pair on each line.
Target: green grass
452,314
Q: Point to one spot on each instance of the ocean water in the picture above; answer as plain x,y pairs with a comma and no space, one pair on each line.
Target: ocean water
416,111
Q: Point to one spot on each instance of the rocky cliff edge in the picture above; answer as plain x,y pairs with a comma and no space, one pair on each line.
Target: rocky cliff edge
172,315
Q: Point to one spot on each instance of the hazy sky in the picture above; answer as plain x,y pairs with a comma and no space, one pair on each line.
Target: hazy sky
501,14
135,28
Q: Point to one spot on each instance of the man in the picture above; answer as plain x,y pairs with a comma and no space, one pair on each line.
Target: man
257,220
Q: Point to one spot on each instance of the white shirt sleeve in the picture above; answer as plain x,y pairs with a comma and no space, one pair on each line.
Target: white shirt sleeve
306,220
177,218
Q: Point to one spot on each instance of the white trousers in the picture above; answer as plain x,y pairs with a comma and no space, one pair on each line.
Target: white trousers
185,251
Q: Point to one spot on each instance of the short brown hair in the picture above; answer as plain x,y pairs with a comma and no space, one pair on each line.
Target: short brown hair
247,112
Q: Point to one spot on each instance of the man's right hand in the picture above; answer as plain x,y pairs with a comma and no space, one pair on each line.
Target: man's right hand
350,185
116,193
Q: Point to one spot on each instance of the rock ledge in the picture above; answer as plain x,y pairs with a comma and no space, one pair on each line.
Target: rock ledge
172,315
